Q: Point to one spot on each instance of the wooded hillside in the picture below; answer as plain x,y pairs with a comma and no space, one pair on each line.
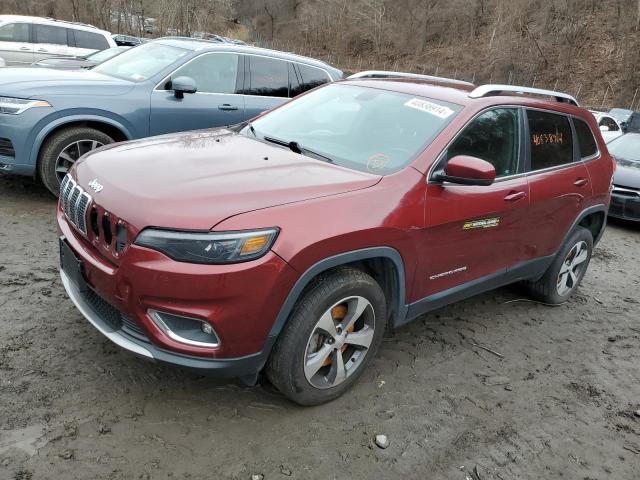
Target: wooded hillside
586,47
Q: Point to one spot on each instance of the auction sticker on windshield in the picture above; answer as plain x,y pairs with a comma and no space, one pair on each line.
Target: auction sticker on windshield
429,107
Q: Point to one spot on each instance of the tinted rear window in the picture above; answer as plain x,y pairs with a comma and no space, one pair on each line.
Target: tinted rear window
588,146
269,77
550,139
90,40
312,77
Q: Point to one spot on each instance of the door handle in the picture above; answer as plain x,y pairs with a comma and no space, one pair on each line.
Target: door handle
227,107
43,50
515,196
581,182
25,48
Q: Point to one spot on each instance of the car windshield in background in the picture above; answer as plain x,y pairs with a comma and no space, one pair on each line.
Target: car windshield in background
105,55
362,128
626,147
141,63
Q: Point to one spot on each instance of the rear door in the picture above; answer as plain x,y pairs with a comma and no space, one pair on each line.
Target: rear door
50,41
15,43
475,231
218,77
558,180
267,85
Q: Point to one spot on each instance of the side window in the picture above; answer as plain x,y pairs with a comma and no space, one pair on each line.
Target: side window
312,77
269,77
14,32
495,137
550,139
588,146
213,72
610,123
50,35
90,40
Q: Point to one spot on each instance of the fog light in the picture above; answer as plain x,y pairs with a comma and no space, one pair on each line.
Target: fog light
206,328
187,330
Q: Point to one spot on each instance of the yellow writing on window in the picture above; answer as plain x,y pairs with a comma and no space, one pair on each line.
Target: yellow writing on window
539,139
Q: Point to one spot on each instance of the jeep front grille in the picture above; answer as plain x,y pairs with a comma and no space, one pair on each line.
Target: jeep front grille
75,202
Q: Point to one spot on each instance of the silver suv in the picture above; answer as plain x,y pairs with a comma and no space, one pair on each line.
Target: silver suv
24,40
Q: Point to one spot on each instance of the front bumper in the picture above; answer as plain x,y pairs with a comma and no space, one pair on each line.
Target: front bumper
97,311
19,132
240,302
625,203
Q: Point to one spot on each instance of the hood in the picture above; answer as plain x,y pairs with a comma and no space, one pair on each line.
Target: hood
627,173
65,63
29,82
197,179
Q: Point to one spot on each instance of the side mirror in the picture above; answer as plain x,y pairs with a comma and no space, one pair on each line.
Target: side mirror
466,170
182,85
604,128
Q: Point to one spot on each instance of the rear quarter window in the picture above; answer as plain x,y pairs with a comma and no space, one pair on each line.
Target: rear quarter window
587,143
550,139
90,40
311,77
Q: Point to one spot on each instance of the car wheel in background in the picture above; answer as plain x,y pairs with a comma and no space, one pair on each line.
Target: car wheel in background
567,270
334,331
62,149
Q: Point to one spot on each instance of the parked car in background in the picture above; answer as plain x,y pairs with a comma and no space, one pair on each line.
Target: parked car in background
168,85
76,63
609,126
24,40
127,40
290,243
625,197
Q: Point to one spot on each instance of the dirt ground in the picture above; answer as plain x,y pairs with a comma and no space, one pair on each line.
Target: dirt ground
562,402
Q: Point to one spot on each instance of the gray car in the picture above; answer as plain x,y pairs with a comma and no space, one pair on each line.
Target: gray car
625,196
49,118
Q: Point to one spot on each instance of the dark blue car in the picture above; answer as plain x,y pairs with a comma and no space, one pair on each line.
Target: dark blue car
49,118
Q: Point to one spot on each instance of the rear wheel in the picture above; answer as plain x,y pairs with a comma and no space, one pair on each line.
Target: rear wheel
334,331
63,149
567,270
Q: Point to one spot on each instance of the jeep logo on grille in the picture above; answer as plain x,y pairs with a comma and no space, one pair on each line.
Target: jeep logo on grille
95,185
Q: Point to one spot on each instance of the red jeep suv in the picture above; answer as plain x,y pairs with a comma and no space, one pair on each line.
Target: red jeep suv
288,244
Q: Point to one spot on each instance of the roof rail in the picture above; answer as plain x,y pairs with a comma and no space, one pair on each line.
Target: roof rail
416,76
491,90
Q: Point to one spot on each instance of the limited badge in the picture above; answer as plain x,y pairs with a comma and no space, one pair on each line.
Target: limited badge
484,223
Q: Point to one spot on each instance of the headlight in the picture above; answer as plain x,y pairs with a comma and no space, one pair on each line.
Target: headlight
16,106
210,247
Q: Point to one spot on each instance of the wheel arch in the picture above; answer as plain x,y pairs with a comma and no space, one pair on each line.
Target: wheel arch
380,262
115,129
594,219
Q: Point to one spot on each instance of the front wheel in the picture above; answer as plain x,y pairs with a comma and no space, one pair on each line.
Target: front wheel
63,149
566,271
334,331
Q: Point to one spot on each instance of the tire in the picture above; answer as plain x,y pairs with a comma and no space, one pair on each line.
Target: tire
333,297
75,142
553,289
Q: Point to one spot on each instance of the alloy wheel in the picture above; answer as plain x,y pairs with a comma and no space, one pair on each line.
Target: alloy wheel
572,267
71,153
339,342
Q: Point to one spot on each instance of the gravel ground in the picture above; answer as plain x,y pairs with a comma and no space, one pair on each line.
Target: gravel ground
562,400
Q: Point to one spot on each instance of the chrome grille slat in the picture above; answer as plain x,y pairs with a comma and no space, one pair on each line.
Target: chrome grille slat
75,203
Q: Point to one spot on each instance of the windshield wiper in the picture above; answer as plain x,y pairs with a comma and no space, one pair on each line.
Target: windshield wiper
297,148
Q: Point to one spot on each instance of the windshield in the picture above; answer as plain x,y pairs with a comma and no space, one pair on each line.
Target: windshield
626,147
363,128
141,63
620,114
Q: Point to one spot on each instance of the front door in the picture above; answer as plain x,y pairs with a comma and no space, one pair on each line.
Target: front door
16,48
474,232
218,78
